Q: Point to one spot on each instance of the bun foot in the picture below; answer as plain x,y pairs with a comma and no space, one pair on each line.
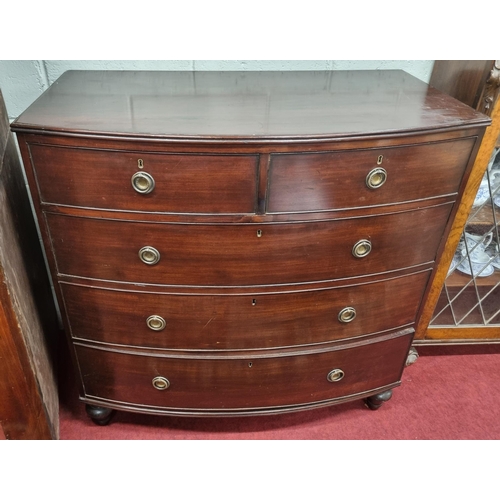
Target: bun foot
375,402
99,415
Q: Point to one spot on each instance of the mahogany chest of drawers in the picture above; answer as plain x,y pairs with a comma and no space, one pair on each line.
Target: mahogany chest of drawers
242,243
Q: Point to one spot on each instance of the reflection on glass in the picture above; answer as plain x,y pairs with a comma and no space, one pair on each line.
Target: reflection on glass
471,292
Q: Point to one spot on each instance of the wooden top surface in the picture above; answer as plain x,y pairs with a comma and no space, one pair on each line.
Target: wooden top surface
248,106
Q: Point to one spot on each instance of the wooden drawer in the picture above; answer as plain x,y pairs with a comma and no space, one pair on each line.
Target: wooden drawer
234,254
183,183
327,181
241,321
241,383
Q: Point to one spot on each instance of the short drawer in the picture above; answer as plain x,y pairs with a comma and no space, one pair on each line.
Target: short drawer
244,254
180,183
247,383
215,322
328,181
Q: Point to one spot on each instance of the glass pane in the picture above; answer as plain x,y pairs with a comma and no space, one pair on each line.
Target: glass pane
471,292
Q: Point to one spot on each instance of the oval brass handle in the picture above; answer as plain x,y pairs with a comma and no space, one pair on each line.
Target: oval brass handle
143,182
156,323
347,314
362,248
160,383
335,375
376,178
149,255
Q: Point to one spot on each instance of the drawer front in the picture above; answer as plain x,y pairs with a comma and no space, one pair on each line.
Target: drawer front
227,384
182,183
327,181
241,321
235,254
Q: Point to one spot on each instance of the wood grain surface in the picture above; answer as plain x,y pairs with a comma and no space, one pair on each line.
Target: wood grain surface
253,106
235,255
325,181
245,382
28,322
183,183
214,322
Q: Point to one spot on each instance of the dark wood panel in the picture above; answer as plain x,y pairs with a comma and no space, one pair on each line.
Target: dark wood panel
22,410
464,80
245,383
248,106
264,218
221,255
222,147
28,322
183,183
215,322
323,181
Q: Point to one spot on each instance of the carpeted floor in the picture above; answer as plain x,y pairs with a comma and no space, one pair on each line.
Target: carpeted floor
450,393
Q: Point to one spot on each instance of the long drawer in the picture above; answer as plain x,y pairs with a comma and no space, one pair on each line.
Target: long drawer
240,383
244,254
325,181
182,183
259,321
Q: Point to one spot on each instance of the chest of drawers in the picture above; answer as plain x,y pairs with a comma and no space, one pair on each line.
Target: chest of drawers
242,243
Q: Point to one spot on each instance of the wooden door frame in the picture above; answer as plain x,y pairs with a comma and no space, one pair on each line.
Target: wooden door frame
424,333
28,318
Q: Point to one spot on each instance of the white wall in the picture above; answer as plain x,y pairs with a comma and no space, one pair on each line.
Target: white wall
23,81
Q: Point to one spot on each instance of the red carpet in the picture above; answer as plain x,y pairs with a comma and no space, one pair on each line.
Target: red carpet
450,393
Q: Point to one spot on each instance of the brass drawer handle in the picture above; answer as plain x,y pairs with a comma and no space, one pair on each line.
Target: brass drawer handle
376,178
160,383
335,375
149,255
362,248
347,314
156,323
143,182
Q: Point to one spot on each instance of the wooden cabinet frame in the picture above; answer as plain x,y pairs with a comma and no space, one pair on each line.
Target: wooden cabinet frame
28,319
476,83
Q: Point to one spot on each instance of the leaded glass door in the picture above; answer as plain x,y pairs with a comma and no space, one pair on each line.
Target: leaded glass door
470,296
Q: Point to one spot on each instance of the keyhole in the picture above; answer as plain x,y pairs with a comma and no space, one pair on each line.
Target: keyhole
380,159
254,302
140,163
259,233
250,365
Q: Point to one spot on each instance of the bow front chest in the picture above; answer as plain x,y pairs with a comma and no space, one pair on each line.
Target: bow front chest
242,243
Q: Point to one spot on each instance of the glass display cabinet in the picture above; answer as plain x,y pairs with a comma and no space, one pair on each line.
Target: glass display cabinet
471,292
464,303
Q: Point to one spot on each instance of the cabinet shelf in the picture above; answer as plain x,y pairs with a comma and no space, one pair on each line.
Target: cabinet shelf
482,220
457,280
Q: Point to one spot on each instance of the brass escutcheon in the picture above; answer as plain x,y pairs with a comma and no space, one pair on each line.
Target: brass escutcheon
376,178
143,182
160,383
156,323
149,255
362,248
347,314
335,375
140,163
